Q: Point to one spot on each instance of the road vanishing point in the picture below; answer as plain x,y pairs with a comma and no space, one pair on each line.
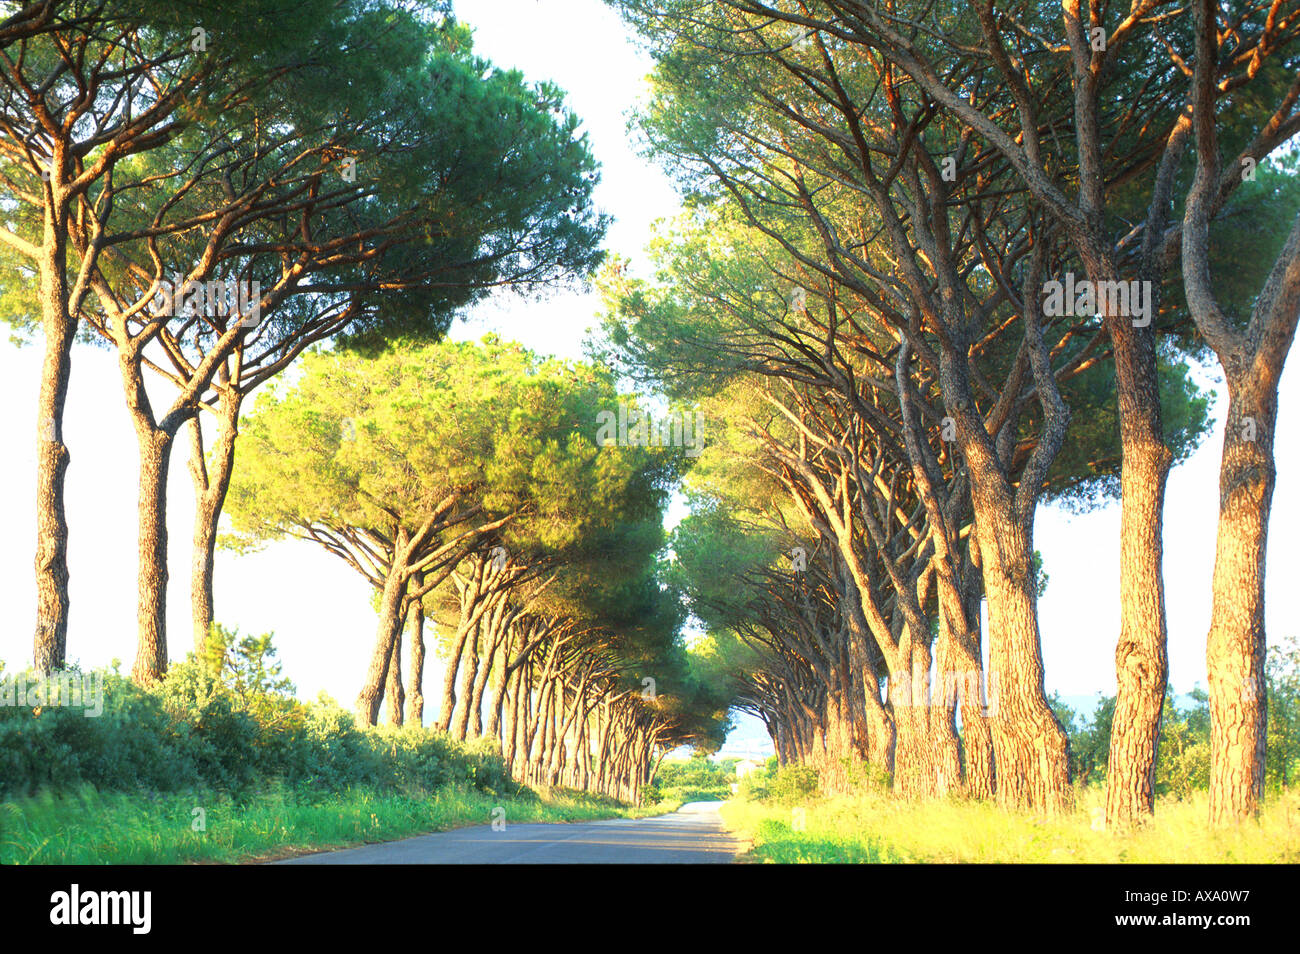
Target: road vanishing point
692,835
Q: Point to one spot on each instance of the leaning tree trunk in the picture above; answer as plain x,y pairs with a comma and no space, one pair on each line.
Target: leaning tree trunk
387,632
880,731
395,695
468,621
447,703
465,704
52,457
480,687
211,483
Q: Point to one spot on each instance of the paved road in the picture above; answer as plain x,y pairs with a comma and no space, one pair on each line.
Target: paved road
692,835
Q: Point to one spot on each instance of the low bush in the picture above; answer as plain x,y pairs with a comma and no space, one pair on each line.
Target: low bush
209,725
779,783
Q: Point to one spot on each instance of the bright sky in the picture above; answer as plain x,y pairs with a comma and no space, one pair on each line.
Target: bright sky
319,609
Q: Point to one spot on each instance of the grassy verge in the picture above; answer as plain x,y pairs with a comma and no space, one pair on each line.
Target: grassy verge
875,828
90,827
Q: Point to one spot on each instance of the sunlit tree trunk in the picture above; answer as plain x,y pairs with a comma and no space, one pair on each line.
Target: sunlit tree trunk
52,456
211,482
389,626
155,446
1235,647
415,699
395,695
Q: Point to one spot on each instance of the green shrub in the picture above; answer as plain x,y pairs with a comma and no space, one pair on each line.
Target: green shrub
788,783
226,723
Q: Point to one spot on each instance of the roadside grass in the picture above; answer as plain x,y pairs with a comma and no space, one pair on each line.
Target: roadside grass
91,827
872,827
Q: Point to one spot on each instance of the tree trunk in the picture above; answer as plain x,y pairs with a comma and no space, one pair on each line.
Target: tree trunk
211,482
977,742
465,705
1141,655
914,770
943,729
49,648
1028,742
395,695
151,612
480,687
497,703
960,689
1236,644
447,705
389,625
878,724
415,698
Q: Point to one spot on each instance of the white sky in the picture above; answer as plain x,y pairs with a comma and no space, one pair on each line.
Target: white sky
319,609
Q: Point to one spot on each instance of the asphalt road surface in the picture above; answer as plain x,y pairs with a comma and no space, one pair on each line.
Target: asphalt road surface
692,835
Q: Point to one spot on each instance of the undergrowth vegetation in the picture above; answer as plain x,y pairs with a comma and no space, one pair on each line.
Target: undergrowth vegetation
219,761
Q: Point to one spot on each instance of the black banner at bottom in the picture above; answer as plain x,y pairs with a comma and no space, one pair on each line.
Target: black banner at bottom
929,902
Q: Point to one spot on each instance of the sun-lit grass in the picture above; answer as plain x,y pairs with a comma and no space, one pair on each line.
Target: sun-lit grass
90,827
873,827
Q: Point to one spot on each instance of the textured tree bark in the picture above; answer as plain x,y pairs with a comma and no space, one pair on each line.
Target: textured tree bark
506,730
1236,644
519,720
1252,359
556,755
602,747
981,766
943,729
1141,655
52,457
880,727
496,703
470,611
1028,742
962,676
514,722
388,630
447,703
838,740
503,676
526,727
469,675
395,695
415,698
546,725
914,768
211,483
480,683
151,613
